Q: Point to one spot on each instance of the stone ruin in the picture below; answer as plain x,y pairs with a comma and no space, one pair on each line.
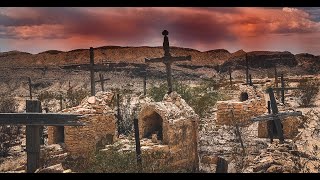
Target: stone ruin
290,125
100,126
173,124
251,103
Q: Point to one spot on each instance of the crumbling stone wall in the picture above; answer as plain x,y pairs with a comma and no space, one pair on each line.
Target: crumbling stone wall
172,124
236,111
100,128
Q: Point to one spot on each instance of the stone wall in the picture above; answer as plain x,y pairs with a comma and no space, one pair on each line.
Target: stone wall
290,128
99,130
173,125
230,112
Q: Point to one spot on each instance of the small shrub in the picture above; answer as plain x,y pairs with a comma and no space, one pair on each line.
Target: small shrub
8,133
309,89
200,98
76,96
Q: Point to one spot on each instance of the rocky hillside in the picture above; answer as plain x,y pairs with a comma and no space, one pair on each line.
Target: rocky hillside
109,53
221,59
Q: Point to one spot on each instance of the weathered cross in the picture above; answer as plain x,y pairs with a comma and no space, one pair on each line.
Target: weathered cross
101,80
30,87
247,69
167,59
276,116
34,119
143,73
93,67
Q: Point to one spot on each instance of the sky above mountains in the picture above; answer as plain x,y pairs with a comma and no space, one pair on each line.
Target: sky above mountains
249,28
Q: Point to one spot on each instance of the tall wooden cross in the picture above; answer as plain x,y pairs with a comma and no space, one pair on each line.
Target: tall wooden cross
30,87
276,116
247,69
34,119
93,67
167,59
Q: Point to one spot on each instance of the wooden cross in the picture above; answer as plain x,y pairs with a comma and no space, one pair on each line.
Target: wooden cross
247,69
167,59
101,80
137,140
34,119
119,117
143,73
276,116
230,77
92,68
30,87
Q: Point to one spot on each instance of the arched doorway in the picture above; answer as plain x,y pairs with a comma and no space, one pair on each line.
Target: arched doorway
152,124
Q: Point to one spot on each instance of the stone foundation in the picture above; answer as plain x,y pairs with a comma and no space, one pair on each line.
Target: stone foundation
251,103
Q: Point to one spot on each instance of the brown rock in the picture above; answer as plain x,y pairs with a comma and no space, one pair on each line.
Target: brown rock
92,100
51,169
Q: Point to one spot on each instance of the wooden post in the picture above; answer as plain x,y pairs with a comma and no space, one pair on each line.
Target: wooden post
101,81
33,138
282,90
247,69
137,140
118,113
276,79
274,109
30,87
93,90
60,102
270,124
145,84
169,77
250,80
230,77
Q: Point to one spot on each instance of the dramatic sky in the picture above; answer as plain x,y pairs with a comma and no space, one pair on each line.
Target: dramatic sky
254,28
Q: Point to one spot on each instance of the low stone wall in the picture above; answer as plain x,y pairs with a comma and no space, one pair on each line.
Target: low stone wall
230,112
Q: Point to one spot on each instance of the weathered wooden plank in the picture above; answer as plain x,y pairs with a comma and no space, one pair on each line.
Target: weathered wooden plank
47,119
33,139
137,141
93,88
281,115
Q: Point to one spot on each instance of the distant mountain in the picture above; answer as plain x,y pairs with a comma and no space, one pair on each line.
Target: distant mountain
117,54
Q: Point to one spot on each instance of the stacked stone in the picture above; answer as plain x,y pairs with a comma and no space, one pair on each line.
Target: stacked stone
100,125
231,112
179,129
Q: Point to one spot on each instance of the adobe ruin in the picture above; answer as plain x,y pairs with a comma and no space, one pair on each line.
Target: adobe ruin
173,125
251,102
100,126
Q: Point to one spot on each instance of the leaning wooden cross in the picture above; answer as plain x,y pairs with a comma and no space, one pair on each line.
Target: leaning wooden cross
102,80
34,119
276,116
93,68
167,59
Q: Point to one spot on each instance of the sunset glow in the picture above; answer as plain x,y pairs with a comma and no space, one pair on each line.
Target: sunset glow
277,29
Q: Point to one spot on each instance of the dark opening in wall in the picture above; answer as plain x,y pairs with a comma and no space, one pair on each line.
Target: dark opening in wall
60,134
244,96
153,125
